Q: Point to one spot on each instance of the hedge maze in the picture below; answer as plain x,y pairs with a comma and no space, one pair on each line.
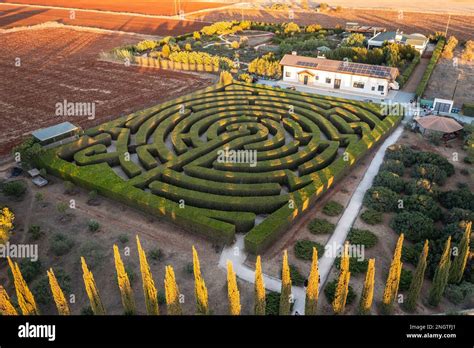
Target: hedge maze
168,159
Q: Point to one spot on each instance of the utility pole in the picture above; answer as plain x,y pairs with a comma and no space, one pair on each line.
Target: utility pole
447,26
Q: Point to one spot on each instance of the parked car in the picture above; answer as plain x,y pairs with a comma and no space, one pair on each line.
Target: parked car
293,88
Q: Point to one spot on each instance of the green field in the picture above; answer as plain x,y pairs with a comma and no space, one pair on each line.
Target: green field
165,160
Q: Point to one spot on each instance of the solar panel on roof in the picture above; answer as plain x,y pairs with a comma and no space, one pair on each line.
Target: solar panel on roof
371,70
307,64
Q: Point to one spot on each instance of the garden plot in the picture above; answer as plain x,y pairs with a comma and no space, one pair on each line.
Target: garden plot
213,186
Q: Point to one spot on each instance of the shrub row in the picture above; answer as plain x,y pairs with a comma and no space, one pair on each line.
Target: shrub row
101,178
420,89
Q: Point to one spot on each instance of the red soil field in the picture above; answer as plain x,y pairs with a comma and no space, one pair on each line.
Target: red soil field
15,16
462,26
152,7
61,64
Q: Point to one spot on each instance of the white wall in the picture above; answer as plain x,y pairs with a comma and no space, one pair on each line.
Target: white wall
347,81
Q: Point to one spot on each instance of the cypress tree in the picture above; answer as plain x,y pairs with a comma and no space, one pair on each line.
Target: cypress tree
393,279
285,295
6,307
6,224
232,291
149,289
440,278
259,289
342,288
460,260
368,291
200,290
124,284
172,293
91,289
58,295
26,301
417,281
312,291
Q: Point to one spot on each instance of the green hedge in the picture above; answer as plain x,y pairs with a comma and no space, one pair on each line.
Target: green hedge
333,208
420,89
101,178
246,193
264,234
362,237
321,226
304,249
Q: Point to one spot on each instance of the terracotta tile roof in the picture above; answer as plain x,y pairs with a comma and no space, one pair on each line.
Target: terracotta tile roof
359,69
439,124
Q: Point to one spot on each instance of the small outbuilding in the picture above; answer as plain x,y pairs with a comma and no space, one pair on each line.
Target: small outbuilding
56,133
444,125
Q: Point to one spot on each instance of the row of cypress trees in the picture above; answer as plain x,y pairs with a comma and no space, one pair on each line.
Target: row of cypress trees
447,271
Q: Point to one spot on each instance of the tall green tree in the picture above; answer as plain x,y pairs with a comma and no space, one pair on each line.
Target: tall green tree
342,287
124,284
440,279
26,300
58,294
393,279
259,289
200,290
91,290
233,293
312,291
367,296
285,296
6,307
172,293
6,224
417,280
149,288
460,260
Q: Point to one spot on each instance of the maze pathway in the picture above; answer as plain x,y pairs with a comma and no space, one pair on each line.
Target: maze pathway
226,159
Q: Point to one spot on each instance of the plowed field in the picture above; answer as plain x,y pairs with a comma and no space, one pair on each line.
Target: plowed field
61,64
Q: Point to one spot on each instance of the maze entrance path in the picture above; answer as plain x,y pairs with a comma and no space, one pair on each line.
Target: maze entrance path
226,159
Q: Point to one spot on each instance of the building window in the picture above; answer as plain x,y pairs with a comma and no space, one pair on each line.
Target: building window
359,85
288,73
316,77
373,88
381,88
328,80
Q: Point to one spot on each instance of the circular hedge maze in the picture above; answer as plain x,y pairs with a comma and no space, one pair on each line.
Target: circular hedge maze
226,159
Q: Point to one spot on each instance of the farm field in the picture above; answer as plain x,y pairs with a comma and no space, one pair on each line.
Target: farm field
178,160
452,82
151,7
62,64
462,26
454,6
15,16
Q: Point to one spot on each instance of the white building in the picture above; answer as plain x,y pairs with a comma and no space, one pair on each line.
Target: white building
418,41
374,80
